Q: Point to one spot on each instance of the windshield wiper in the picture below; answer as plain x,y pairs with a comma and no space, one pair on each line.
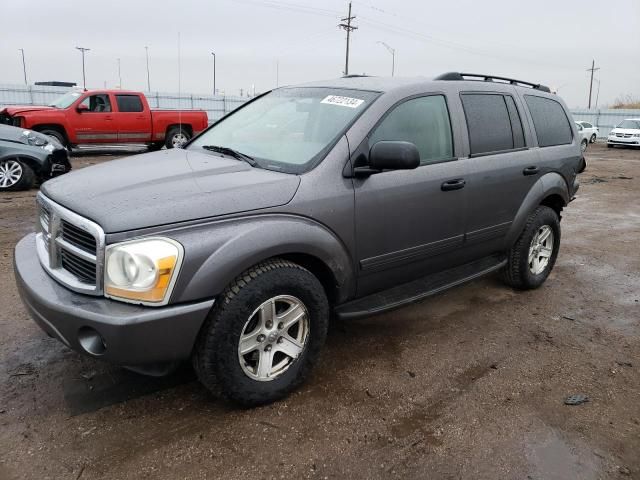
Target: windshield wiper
232,153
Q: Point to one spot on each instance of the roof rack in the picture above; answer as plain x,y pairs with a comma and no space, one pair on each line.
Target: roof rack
491,78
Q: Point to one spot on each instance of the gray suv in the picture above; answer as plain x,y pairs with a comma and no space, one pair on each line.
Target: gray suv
341,199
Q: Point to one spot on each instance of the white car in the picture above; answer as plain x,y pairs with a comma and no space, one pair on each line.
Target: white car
585,136
626,133
590,130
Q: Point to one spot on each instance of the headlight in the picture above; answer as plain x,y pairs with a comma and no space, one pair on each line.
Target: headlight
142,271
34,140
636,134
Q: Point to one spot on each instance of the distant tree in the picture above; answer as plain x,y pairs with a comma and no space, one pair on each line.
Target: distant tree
626,101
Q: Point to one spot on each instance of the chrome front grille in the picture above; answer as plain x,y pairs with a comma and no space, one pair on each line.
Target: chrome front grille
70,247
78,237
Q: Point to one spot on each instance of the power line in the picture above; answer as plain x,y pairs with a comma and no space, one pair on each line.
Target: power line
348,28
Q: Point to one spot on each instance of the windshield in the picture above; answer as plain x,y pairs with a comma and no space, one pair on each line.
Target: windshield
65,100
289,129
629,124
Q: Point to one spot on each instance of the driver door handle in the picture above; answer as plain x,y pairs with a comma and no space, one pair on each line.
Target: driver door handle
532,170
456,184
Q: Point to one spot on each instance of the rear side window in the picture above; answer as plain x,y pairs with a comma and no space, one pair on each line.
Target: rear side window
423,121
550,121
129,103
493,123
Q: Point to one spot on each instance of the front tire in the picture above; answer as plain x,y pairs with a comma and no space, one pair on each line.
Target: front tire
57,135
584,144
177,137
15,175
264,334
534,254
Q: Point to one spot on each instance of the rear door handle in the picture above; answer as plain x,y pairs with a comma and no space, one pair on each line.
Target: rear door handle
456,184
530,170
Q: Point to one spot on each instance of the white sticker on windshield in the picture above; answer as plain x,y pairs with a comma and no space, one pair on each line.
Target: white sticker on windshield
343,101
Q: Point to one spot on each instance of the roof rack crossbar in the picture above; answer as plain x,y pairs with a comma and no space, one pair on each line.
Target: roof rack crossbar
491,78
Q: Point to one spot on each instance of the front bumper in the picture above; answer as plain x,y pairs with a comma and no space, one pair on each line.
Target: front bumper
633,141
131,335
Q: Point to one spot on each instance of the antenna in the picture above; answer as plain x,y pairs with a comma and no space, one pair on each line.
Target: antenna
179,89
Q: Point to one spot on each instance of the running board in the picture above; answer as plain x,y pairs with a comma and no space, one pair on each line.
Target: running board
407,293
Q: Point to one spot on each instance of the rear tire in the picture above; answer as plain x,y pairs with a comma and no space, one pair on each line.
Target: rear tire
593,138
177,137
15,175
250,350
532,257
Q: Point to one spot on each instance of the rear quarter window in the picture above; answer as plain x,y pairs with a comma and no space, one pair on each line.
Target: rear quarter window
550,121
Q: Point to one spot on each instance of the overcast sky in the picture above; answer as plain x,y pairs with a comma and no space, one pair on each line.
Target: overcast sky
547,41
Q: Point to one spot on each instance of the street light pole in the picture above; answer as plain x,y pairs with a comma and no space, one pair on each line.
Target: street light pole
392,51
214,73
119,75
24,66
84,79
148,76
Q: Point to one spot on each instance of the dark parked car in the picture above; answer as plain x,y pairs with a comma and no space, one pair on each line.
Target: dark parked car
347,197
27,157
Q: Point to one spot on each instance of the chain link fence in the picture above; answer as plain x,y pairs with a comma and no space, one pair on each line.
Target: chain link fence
215,106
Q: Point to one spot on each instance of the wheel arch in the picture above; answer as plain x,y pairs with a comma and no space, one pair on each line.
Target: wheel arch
52,126
550,190
34,163
185,126
226,249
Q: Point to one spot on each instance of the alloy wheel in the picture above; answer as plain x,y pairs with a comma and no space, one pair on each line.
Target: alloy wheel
273,337
540,250
178,140
10,173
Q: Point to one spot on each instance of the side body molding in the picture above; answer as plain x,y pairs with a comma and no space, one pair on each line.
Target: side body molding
220,251
549,184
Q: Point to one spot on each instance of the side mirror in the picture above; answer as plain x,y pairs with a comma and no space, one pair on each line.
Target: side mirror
82,108
394,155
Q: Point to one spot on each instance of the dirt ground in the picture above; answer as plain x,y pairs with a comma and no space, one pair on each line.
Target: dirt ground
468,384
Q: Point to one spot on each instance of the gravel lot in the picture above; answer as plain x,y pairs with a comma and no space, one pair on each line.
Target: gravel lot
468,384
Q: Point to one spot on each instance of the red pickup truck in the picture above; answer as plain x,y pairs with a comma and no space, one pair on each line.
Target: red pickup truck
108,116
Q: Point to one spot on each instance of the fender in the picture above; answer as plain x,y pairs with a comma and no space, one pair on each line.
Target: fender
217,252
549,184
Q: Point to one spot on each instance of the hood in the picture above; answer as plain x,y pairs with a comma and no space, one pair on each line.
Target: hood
632,131
12,110
14,134
27,137
167,187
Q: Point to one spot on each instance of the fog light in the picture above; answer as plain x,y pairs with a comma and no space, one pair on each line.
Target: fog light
92,341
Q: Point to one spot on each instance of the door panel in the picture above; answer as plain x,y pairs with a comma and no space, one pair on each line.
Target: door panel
410,223
406,225
134,123
497,186
96,124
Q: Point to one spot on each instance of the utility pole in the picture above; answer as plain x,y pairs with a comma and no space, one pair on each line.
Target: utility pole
592,69
598,92
84,79
119,75
392,51
24,66
148,76
214,73
348,28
